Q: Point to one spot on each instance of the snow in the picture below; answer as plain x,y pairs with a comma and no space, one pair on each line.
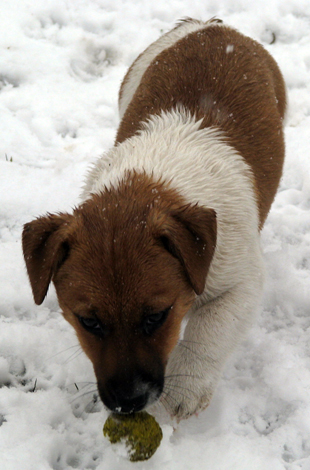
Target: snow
61,63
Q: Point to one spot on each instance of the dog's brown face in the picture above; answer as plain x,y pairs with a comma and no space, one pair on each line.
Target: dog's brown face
126,266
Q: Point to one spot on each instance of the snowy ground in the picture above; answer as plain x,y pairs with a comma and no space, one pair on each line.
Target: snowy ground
61,63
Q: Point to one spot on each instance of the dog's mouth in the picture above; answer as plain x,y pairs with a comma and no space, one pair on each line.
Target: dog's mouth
125,398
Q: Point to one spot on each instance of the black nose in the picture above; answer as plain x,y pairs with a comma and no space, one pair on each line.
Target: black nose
129,396
122,403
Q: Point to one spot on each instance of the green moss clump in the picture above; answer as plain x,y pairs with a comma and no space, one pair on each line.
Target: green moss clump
140,431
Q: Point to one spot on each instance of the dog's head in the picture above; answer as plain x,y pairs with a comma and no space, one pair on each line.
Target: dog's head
126,267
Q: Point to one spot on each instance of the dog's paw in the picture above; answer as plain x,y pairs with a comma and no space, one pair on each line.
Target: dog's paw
190,381
182,400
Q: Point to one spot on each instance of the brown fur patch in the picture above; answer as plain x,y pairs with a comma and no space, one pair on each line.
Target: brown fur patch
231,82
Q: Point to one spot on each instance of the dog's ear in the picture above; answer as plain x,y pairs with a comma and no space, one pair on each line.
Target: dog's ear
189,234
45,247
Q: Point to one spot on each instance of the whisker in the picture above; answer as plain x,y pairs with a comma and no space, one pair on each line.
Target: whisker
194,352
179,386
75,355
94,400
166,395
189,349
165,403
86,409
179,392
78,386
83,383
82,395
172,376
63,351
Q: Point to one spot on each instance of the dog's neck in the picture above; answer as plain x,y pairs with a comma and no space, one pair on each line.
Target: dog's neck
172,147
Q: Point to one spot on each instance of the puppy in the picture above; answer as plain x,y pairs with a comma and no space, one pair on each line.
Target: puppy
170,220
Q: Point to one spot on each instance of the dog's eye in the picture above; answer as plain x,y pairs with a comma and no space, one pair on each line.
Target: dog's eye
153,321
91,325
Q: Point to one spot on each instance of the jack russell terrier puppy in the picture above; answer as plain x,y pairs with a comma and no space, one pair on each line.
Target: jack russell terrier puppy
170,220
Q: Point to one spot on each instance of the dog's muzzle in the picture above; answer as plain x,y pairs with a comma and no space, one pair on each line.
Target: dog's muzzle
129,395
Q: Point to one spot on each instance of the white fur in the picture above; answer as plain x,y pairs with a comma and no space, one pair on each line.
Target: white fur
205,170
143,61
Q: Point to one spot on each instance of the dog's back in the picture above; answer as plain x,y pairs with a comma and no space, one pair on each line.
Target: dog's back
218,75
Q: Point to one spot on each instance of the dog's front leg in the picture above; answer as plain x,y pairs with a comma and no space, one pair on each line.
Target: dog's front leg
211,334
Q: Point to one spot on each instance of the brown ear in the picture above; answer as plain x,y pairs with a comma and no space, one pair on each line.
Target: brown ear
45,246
189,234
